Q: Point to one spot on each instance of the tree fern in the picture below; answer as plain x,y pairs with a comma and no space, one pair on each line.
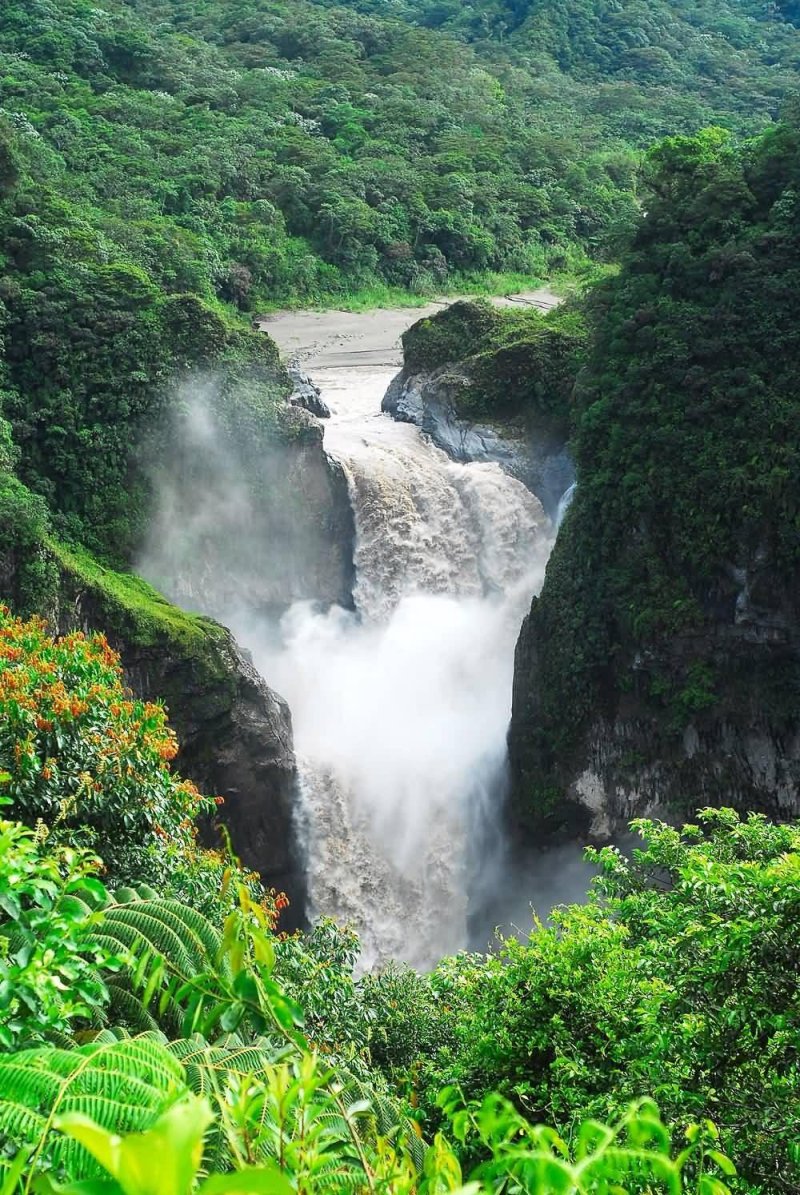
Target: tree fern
169,945
122,1085
274,1098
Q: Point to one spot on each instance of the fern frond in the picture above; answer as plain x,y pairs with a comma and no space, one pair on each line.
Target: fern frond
19,1124
139,920
171,945
194,931
200,926
126,1008
122,1084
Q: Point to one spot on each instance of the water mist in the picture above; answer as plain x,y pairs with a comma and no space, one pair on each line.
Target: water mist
400,707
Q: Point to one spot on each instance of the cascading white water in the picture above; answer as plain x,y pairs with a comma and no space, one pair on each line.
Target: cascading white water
565,503
400,710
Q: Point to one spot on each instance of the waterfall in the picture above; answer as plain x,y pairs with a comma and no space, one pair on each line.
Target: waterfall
400,709
565,503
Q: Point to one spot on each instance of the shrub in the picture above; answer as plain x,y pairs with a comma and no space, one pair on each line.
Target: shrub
90,765
48,971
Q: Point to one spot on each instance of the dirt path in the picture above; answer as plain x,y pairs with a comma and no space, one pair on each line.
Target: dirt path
336,339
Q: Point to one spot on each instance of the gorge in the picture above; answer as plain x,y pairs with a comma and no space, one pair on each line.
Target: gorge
400,697
343,626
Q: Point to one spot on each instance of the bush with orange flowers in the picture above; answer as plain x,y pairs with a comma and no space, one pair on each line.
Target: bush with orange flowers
89,762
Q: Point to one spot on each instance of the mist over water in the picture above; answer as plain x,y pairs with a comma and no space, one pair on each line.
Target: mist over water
400,708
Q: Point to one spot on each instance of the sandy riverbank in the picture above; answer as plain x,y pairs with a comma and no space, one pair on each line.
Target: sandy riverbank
347,339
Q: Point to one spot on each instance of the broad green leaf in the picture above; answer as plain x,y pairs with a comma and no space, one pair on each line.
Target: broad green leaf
263,1180
164,1160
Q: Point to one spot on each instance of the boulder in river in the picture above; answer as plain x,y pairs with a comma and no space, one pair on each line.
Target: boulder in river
306,393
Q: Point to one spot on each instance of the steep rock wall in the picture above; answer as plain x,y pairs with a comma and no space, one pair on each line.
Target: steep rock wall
707,717
433,401
250,518
660,667
235,734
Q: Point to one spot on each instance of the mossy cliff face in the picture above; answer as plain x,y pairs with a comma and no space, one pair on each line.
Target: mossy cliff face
235,734
705,715
660,667
492,385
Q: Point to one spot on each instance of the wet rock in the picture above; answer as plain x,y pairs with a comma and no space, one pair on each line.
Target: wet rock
433,401
306,394
235,733
641,752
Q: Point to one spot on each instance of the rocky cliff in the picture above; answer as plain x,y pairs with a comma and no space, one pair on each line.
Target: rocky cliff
249,514
235,734
489,385
659,670
703,716
433,401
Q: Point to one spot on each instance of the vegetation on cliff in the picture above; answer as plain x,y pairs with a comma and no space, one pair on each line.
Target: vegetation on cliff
673,589
505,365
89,766
138,1032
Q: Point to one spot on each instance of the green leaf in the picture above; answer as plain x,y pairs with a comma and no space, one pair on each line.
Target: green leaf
231,1017
264,950
164,1160
725,1164
263,1180
16,1172
10,905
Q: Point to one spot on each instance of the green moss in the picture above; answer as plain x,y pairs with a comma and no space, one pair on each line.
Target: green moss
450,335
135,611
520,365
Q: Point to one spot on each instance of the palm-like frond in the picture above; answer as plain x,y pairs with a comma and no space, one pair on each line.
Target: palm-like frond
122,1084
170,944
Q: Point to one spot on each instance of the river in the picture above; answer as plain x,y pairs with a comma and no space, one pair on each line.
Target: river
400,706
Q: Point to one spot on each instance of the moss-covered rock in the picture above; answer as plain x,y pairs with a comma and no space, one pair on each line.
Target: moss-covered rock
661,663
513,365
489,384
235,734
451,335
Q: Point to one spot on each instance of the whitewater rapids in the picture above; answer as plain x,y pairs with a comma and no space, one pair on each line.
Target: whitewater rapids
400,709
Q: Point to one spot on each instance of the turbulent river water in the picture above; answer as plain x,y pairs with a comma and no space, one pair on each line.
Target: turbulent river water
400,709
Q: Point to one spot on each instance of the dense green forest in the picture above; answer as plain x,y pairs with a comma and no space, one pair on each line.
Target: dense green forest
156,1032
167,170
164,166
263,151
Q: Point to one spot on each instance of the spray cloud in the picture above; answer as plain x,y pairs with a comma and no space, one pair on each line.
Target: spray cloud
400,708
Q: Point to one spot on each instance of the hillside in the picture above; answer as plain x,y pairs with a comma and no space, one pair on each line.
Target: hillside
661,664
251,154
